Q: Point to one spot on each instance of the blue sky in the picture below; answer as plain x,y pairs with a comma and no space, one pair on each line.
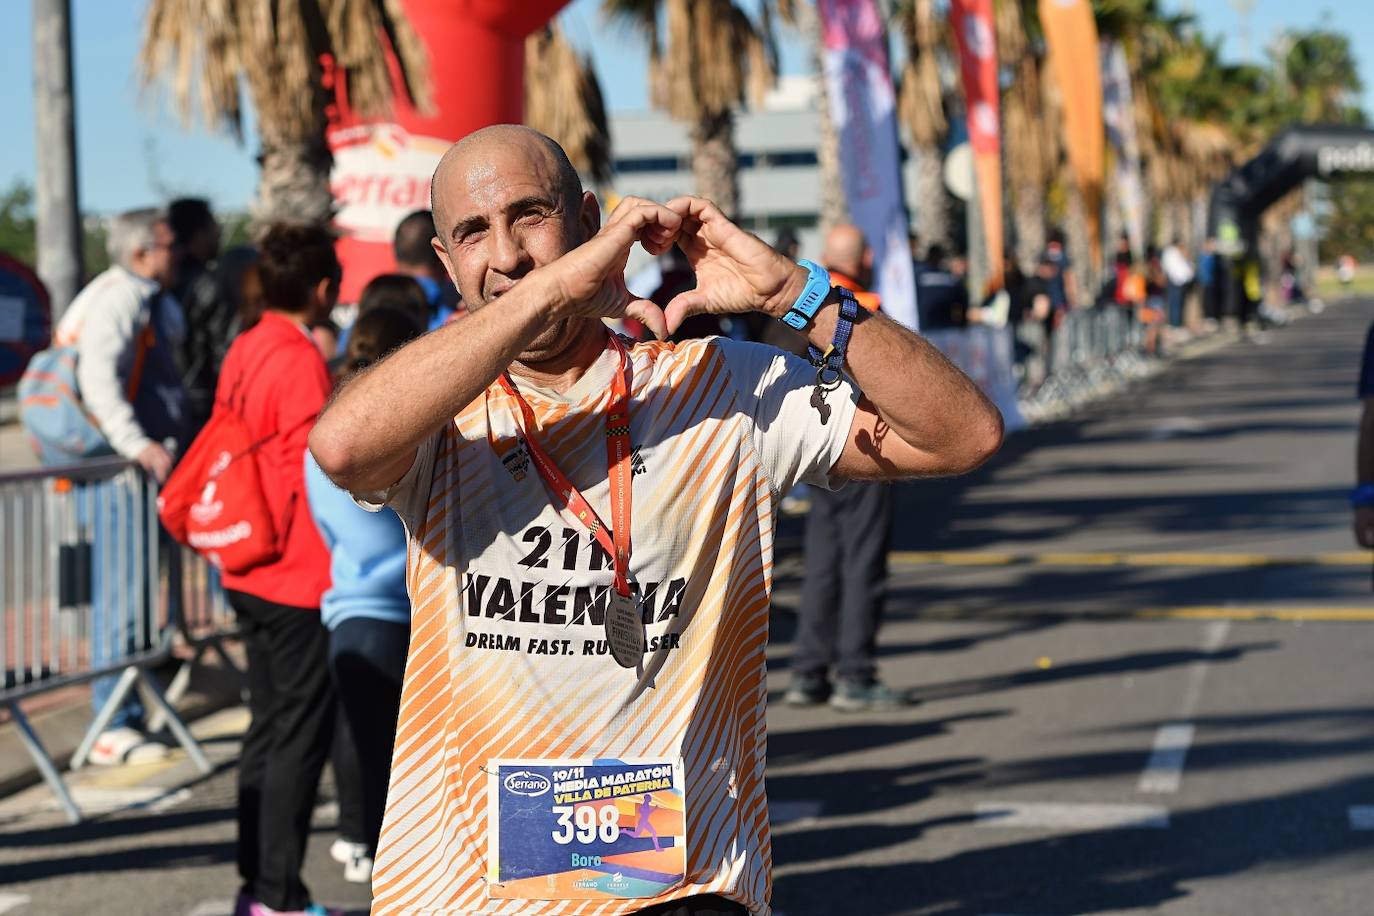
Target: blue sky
133,150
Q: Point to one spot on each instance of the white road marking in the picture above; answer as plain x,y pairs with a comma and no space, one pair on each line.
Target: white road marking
99,800
1214,636
12,901
1071,817
1361,817
786,812
213,908
1164,771
1172,427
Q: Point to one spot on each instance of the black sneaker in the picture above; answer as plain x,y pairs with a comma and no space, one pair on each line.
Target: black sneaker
807,690
853,696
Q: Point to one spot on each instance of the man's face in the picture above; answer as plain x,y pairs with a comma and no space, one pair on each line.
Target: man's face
503,216
159,262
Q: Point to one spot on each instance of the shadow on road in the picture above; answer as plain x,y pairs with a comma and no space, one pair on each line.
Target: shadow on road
1081,873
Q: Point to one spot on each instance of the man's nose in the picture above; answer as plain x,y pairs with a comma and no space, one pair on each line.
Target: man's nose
508,251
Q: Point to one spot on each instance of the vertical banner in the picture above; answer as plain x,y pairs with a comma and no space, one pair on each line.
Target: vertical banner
382,170
1118,114
863,106
972,21
1071,34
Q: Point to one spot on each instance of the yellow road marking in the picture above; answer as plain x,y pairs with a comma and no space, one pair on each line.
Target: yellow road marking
130,775
1312,614
1198,558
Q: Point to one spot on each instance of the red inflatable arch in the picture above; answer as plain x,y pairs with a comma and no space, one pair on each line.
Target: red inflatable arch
382,169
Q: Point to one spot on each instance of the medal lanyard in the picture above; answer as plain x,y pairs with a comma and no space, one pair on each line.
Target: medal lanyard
616,540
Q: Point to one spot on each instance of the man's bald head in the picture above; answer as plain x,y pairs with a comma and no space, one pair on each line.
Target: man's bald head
484,149
845,248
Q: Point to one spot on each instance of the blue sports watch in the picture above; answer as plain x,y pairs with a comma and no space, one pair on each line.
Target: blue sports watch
804,310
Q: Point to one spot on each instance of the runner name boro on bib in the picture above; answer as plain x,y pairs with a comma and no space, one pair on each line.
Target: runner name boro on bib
584,829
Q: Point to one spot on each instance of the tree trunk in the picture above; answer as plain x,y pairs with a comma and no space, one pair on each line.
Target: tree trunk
931,204
1080,249
714,161
1028,215
834,207
57,202
293,181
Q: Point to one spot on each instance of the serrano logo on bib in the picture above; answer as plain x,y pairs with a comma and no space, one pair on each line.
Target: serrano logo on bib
527,783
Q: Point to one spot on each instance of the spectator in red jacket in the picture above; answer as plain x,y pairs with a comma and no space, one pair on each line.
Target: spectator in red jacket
276,378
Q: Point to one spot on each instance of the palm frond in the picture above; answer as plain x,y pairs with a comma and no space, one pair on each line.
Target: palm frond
207,48
563,100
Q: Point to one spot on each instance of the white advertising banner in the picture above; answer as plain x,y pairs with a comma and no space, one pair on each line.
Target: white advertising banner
863,106
1118,113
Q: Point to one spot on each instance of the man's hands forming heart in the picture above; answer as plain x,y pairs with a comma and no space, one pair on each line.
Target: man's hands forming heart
736,272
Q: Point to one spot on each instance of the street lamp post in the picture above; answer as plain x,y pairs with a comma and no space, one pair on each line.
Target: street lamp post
57,202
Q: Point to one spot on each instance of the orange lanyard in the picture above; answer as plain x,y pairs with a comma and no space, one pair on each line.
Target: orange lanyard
615,540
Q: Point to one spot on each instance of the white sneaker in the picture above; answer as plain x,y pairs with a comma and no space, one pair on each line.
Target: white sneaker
343,851
118,746
358,868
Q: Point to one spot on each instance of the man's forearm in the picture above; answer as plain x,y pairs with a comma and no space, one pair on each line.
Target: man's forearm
367,437
923,398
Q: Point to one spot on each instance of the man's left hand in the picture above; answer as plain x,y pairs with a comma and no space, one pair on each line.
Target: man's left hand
736,271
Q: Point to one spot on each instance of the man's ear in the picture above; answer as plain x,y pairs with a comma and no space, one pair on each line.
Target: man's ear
442,252
589,217
326,293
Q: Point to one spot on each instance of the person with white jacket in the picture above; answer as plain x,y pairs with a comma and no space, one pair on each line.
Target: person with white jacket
123,324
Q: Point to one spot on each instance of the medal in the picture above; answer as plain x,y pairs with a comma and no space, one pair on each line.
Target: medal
624,630
624,626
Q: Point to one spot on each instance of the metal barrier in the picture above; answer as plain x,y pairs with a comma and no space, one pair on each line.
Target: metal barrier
91,590
1091,352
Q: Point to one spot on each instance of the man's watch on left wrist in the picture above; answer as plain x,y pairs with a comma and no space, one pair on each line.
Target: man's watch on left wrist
813,295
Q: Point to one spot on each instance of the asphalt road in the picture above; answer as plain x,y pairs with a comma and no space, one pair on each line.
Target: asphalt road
1140,640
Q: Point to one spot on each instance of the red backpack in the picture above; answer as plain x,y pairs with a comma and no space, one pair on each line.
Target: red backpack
214,501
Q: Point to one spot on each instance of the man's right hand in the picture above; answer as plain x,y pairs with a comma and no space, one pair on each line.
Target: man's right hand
589,281
156,460
1364,526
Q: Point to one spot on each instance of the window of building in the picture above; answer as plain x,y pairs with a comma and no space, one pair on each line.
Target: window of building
647,164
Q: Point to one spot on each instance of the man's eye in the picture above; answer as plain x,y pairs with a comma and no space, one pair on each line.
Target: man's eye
532,216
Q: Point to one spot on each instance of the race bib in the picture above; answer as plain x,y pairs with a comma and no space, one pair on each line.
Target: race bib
585,829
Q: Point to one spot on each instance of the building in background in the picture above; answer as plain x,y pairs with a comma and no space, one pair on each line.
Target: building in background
779,174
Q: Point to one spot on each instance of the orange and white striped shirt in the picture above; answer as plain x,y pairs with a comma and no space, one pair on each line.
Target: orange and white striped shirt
507,654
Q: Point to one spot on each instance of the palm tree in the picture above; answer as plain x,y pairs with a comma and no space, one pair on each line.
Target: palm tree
563,100
700,71
921,107
1029,136
208,50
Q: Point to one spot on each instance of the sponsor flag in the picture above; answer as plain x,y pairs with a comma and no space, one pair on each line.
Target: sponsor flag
972,21
1118,114
382,170
863,106
1071,34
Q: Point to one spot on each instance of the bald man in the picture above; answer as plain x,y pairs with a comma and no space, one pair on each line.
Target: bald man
591,529
847,536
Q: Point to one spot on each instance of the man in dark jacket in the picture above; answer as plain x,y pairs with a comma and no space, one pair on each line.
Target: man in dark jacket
209,311
847,537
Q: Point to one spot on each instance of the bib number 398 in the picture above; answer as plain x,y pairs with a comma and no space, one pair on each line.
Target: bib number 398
585,829
586,824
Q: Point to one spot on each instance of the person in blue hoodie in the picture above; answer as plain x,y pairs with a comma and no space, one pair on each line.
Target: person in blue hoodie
366,609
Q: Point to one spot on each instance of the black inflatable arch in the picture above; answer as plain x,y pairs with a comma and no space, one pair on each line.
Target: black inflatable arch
1294,155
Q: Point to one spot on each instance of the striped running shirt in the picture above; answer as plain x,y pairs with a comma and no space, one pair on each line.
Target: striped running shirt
507,654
